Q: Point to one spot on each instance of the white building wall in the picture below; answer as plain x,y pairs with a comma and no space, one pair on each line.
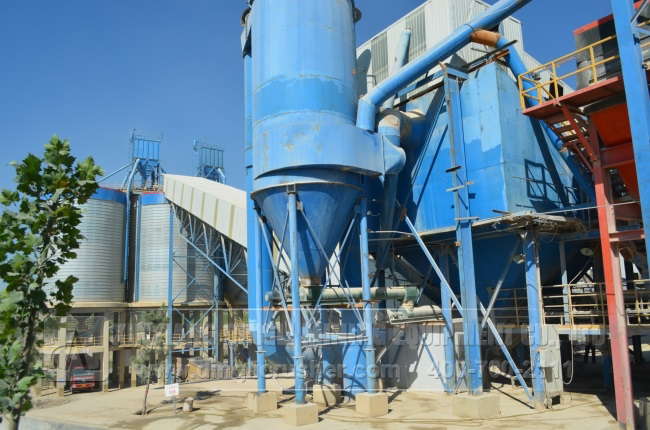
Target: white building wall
408,362
441,18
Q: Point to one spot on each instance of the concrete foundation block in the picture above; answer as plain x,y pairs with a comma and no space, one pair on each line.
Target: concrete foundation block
300,415
483,406
372,404
262,402
326,394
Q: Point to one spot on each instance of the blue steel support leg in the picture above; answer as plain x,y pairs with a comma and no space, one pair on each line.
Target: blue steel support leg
216,332
326,376
450,348
638,100
352,354
295,300
471,330
535,322
368,313
170,297
259,316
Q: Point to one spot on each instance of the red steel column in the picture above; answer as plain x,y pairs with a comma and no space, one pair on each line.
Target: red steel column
614,291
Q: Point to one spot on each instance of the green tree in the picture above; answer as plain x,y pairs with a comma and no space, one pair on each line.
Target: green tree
38,233
152,347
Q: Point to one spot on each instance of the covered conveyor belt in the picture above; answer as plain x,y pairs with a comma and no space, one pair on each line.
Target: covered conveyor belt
220,206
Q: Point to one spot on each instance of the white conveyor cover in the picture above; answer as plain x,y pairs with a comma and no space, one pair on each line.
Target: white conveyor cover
220,206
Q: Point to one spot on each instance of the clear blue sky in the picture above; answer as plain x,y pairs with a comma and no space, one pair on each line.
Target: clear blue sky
92,70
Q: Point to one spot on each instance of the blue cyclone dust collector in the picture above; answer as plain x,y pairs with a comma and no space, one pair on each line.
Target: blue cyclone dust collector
326,167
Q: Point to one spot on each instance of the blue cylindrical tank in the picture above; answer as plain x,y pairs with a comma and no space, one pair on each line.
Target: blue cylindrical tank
304,100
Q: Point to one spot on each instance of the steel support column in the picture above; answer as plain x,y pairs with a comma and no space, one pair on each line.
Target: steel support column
447,314
638,100
296,318
368,312
471,330
259,315
616,316
216,329
535,323
170,297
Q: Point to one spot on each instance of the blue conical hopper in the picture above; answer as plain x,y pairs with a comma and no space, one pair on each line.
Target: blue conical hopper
325,211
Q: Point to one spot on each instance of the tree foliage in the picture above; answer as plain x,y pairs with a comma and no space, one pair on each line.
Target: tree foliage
152,347
38,233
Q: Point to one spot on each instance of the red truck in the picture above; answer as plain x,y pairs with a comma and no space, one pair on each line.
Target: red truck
83,379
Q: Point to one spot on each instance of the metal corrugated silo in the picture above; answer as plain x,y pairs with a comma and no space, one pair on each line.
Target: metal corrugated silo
99,258
153,258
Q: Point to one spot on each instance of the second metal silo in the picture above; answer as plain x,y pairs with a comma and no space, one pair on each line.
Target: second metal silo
153,256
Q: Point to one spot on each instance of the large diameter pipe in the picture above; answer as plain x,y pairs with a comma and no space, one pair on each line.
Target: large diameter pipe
455,41
339,294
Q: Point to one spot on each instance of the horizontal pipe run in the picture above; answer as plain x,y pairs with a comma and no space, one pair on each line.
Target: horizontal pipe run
341,295
405,315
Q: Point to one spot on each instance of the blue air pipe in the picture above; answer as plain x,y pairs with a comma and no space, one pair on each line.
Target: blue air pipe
518,68
129,185
457,40
390,129
299,385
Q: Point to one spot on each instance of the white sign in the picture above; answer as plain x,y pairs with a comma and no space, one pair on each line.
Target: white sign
172,390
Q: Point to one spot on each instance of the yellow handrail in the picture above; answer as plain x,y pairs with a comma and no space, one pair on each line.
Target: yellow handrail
540,91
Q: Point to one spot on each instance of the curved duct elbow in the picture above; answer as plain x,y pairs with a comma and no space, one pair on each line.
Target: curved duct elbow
390,134
486,37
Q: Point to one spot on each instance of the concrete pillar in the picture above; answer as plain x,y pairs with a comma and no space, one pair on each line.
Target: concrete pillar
61,374
205,340
134,376
106,349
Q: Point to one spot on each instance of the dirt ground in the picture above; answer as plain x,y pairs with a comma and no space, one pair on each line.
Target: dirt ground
220,405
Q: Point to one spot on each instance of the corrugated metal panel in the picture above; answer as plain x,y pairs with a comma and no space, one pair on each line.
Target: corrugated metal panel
99,258
220,206
512,30
379,50
154,255
461,12
416,23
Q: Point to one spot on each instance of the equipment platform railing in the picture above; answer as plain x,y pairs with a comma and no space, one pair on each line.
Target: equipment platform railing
534,89
579,304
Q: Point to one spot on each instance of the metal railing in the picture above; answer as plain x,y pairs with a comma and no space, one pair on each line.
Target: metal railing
586,303
542,90
580,304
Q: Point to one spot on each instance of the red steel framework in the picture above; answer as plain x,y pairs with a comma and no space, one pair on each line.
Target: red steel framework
601,141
